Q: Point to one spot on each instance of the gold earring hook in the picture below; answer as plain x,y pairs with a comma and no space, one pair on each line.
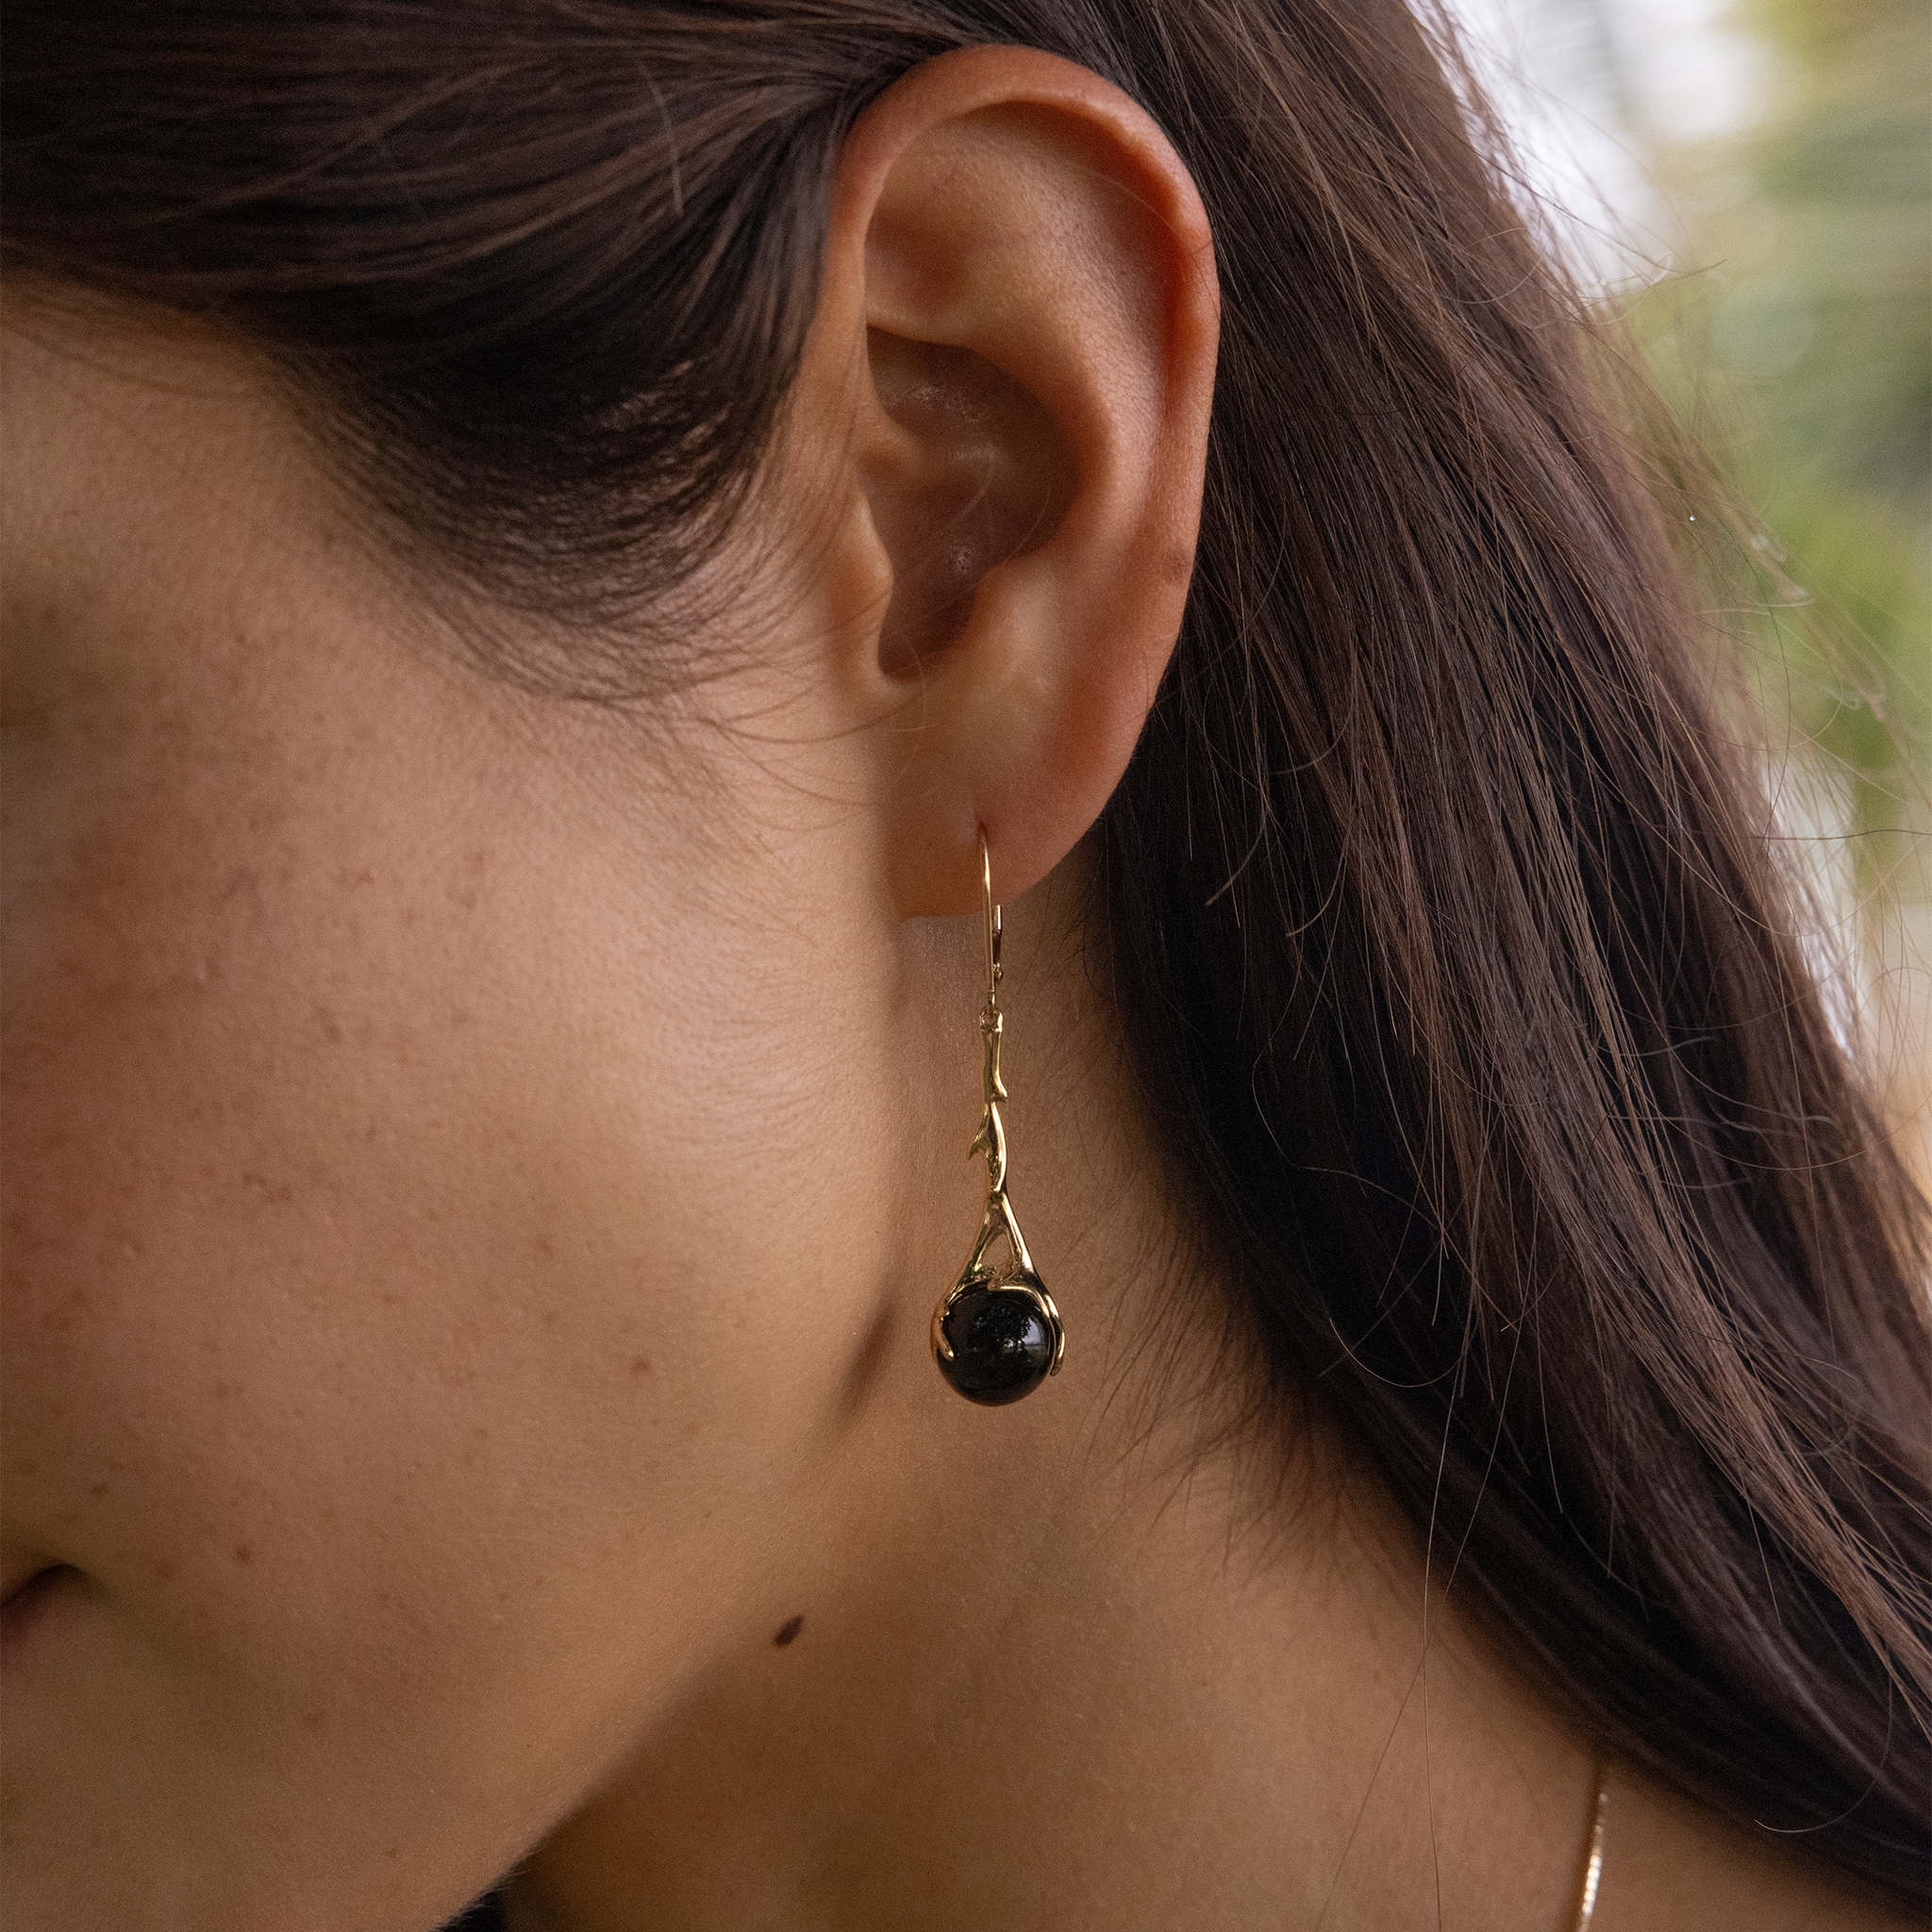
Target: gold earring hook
992,927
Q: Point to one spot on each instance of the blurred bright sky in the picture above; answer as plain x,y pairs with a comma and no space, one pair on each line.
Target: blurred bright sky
1588,87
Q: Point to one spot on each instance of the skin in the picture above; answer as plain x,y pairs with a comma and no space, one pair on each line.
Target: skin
479,1167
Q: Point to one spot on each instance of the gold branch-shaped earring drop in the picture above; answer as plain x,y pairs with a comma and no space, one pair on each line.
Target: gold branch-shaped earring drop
996,1334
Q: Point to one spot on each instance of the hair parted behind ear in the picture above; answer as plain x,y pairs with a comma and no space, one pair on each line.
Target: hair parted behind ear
1437,904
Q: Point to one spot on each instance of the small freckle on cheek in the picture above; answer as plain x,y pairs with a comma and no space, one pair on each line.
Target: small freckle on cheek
640,1365
244,1554
787,1631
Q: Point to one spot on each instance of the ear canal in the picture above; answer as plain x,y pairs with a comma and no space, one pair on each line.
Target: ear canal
975,472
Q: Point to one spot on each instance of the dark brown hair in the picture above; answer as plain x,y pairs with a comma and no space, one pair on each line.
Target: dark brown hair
1438,903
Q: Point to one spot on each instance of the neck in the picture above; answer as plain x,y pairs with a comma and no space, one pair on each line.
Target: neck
1090,1705
1055,1668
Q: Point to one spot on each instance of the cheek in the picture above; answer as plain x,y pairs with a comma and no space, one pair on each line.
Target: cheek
387,1296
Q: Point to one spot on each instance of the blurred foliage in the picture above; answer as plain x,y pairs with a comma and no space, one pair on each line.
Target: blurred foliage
1796,344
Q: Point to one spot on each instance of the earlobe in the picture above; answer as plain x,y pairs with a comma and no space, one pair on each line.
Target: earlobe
1019,319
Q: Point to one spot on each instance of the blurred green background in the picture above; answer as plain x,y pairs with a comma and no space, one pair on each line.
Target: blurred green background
1802,353
1749,182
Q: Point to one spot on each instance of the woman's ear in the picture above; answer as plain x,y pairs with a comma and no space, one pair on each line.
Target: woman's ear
1014,355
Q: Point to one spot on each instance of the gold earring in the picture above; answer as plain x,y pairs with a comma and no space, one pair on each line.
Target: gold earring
995,1333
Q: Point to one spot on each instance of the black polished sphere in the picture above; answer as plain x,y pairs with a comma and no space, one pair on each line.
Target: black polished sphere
1002,1344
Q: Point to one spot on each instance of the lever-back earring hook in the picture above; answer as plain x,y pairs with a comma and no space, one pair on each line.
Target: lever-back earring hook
996,1334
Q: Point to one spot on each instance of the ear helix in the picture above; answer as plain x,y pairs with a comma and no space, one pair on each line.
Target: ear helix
995,1333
